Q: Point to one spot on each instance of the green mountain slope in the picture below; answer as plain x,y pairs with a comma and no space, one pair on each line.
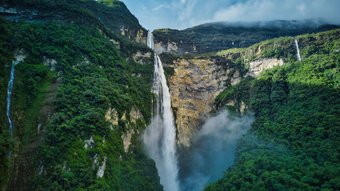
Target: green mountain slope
80,99
293,144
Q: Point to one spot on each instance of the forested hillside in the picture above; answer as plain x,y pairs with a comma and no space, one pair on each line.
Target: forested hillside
293,144
80,98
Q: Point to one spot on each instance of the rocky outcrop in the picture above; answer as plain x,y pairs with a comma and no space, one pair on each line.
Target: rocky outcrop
196,83
160,47
111,116
142,57
193,88
257,66
127,140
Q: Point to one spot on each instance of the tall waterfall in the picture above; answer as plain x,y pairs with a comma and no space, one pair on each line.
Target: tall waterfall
297,50
160,137
18,59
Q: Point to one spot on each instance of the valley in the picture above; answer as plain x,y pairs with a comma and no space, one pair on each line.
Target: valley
92,100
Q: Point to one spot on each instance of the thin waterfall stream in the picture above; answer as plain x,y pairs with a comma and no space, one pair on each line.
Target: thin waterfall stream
18,58
160,137
297,50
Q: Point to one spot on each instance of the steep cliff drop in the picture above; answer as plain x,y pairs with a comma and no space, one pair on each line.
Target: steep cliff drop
297,50
18,58
160,136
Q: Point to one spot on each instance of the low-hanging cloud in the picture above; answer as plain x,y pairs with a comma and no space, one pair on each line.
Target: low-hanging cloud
182,14
265,10
212,151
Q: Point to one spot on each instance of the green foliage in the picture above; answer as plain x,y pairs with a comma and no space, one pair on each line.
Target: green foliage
293,144
91,76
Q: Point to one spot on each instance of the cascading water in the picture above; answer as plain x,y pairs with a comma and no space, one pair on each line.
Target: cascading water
160,137
18,59
297,50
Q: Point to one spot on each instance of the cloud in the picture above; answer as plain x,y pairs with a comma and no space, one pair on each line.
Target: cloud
212,151
264,10
162,6
182,14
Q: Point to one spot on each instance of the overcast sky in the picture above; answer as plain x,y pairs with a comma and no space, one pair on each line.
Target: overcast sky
180,14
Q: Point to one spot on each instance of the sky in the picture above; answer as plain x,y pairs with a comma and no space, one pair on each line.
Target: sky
181,14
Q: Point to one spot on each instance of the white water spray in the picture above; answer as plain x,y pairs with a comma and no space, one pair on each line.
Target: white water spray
297,50
18,58
160,137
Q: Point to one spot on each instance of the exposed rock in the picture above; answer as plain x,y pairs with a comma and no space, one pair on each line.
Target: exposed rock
257,66
193,88
89,143
127,140
172,47
195,85
111,116
116,43
101,170
135,114
123,118
141,37
141,57
159,48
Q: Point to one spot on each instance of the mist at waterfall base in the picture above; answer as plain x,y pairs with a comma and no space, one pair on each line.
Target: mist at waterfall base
160,137
212,150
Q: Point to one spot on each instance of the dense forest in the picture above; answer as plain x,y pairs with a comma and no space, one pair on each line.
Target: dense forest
74,73
293,142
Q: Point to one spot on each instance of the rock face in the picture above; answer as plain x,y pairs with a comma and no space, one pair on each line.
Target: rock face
141,57
193,88
257,66
220,36
195,85
111,116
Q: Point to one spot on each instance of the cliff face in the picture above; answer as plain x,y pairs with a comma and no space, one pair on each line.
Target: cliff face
197,81
193,87
220,36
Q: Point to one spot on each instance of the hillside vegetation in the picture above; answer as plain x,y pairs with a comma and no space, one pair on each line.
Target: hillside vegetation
293,144
73,102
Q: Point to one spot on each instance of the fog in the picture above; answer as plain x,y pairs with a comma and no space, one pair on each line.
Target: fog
212,151
181,14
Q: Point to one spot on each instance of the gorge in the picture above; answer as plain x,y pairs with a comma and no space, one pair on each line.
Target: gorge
92,100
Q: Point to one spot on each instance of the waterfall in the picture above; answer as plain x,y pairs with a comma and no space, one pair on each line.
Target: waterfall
150,42
18,59
160,136
297,50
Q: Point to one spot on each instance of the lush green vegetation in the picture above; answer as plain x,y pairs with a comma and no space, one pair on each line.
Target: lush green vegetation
70,99
293,144
104,14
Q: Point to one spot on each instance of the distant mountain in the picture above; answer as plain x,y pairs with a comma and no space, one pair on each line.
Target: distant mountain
213,37
114,15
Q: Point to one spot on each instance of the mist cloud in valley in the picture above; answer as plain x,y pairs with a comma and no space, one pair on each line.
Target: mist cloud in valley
212,151
180,14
